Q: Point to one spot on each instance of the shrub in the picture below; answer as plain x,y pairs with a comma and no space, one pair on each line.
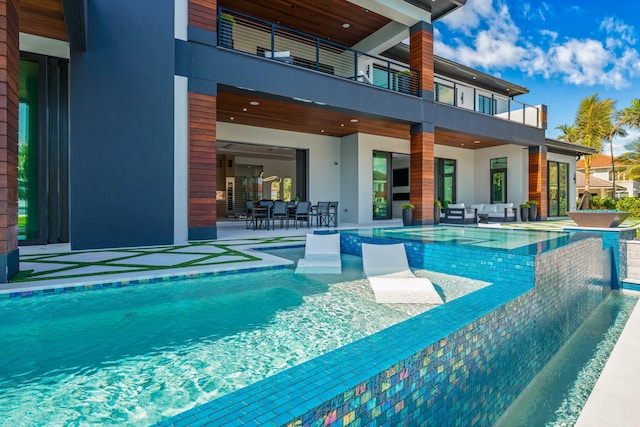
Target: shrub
406,206
629,204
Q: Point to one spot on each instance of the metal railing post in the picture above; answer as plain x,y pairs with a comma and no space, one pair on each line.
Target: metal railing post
273,40
355,65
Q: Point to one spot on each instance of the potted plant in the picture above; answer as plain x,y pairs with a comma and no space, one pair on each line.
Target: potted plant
407,213
533,210
404,81
225,30
437,206
524,212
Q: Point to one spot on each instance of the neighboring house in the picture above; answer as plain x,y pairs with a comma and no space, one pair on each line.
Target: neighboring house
143,122
601,168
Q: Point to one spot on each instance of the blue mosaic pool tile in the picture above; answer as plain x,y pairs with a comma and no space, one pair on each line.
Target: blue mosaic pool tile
124,283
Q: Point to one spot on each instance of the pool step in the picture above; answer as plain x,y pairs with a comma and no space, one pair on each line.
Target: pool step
633,259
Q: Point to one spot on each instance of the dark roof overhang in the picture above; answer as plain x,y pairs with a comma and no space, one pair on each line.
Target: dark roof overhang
437,8
75,19
568,148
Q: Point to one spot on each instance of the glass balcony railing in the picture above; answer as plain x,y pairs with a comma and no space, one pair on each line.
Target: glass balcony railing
485,102
268,40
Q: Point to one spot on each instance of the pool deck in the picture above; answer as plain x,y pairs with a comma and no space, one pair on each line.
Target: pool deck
612,401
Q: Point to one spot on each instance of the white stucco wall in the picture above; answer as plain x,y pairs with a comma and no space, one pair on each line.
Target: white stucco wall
349,184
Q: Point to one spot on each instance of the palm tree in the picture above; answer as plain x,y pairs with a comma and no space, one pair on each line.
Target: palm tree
631,159
593,125
615,131
569,133
627,117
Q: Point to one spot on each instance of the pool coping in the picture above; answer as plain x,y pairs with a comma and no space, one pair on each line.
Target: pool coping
266,261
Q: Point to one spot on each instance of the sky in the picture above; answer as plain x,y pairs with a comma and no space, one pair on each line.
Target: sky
562,51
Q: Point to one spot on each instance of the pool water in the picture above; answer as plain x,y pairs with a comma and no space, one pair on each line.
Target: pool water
137,355
525,242
558,393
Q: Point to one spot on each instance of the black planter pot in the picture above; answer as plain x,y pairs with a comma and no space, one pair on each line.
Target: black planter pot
407,217
436,215
533,212
524,214
226,34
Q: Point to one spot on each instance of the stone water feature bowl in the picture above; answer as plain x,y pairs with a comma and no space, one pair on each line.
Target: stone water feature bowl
598,218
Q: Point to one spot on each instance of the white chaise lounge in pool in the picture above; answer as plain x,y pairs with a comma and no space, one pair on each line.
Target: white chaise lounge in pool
393,282
321,255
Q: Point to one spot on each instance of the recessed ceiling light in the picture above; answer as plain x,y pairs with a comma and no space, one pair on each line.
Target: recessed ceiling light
354,120
302,100
244,109
476,142
341,124
254,103
346,25
232,118
322,130
462,144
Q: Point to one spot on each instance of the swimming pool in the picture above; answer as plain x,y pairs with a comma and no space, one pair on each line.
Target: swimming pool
138,355
521,242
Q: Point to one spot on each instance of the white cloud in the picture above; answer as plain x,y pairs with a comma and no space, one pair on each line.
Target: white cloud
492,41
466,18
617,29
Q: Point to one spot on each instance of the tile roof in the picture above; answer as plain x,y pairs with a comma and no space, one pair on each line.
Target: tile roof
597,161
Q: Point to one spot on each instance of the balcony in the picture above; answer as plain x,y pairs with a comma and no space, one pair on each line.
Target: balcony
482,101
254,36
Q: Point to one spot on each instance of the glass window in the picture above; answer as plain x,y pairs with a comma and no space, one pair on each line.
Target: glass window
28,150
444,94
485,105
381,199
287,185
499,180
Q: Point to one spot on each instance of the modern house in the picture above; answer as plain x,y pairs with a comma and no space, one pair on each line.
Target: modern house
602,169
145,122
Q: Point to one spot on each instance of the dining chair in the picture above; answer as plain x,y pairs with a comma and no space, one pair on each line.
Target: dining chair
332,217
280,212
321,213
249,214
302,213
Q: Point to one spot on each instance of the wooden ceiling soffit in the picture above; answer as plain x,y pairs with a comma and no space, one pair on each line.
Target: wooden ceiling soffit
44,18
323,18
301,117
470,142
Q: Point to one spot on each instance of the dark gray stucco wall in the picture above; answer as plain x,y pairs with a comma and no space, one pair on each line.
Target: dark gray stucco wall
122,124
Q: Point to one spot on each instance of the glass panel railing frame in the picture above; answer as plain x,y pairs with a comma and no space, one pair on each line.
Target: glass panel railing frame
262,38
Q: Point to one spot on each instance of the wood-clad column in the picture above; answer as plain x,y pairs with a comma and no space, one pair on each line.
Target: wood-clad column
203,13
538,179
422,173
9,75
202,166
421,56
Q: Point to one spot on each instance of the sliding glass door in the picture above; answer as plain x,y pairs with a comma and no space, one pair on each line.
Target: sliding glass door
381,185
558,190
42,151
